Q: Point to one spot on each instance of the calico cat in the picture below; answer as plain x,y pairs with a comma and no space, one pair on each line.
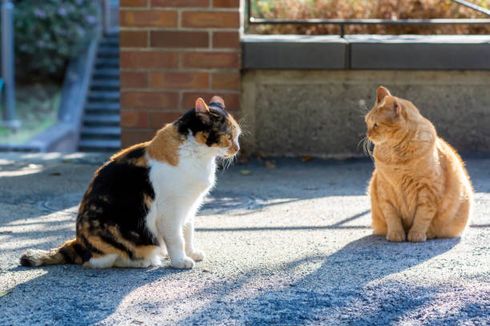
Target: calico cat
420,188
144,199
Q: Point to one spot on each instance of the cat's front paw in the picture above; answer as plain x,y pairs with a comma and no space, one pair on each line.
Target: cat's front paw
197,255
183,263
396,236
416,236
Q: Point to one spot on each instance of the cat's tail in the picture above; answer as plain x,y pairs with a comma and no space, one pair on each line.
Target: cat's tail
70,252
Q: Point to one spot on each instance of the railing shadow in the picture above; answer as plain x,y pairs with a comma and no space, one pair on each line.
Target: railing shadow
344,284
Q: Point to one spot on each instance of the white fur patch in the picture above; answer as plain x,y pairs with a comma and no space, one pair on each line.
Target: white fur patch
179,192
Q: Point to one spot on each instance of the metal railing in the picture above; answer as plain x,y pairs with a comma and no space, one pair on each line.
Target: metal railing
110,16
8,66
346,22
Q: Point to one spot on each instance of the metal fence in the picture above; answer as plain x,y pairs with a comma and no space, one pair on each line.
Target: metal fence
346,22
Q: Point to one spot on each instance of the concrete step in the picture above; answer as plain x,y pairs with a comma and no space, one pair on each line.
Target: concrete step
106,73
99,145
105,84
110,41
104,96
101,120
101,132
108,52
102,107
107,63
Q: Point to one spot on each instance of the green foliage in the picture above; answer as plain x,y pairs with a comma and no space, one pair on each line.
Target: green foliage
358,9
49,32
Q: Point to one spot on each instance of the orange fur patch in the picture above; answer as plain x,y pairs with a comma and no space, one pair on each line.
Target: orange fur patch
140,161
420,188
201,137
165,145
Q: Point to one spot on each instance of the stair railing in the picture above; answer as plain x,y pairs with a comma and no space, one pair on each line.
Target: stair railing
9,116
110,16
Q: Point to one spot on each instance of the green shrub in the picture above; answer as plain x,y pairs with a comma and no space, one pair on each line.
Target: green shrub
357,9
49,32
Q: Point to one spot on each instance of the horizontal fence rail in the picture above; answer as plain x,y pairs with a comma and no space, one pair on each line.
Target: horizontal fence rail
370,21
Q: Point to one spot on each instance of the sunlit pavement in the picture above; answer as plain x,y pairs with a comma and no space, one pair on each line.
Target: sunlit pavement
287,244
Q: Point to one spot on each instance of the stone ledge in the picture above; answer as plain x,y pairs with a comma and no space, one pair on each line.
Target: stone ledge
293,52
377,52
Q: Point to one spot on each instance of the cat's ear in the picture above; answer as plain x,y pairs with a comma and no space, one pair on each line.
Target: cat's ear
381,93
201,106
394,105
397,109
217,101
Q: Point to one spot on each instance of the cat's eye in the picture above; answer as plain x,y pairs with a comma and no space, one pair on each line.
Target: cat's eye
375,126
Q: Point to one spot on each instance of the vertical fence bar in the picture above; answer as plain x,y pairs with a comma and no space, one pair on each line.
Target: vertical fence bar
8,65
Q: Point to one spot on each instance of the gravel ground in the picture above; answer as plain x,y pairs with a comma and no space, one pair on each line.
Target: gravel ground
287,244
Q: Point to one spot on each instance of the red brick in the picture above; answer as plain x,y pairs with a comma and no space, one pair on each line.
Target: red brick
134,3
133,39
211,60
131,136
210,19
159,119
134,119
180,3
134,79
179,80
226,3
136,59
226,80
232,100
149,100
226,40
148,18
179,39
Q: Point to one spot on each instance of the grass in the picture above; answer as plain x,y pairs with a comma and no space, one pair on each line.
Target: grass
36,107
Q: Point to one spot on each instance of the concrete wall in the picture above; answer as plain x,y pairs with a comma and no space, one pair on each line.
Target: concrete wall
320,113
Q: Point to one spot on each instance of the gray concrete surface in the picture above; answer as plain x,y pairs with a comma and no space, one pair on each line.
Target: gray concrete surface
321,113
380,52
287,245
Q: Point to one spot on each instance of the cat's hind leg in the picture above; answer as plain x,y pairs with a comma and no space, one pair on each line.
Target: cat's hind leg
105,261
132,263
452,227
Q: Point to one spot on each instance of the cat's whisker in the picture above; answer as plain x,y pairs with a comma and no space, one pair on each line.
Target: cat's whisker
366,146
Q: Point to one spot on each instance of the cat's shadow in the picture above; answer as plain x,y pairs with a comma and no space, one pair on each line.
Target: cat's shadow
91,296
340,283
83,296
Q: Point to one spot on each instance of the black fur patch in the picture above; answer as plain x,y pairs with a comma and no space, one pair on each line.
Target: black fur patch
89,247
117,199
25,261
213,123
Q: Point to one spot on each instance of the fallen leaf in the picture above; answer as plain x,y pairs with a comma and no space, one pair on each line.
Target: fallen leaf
307,158
245,172
270,165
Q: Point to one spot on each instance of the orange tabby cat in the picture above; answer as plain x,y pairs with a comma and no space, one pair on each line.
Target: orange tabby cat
420,188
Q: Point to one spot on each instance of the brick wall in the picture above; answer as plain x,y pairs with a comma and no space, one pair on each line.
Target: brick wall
173,51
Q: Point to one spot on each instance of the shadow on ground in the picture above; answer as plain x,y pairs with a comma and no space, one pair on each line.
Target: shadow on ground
352,285
343,286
